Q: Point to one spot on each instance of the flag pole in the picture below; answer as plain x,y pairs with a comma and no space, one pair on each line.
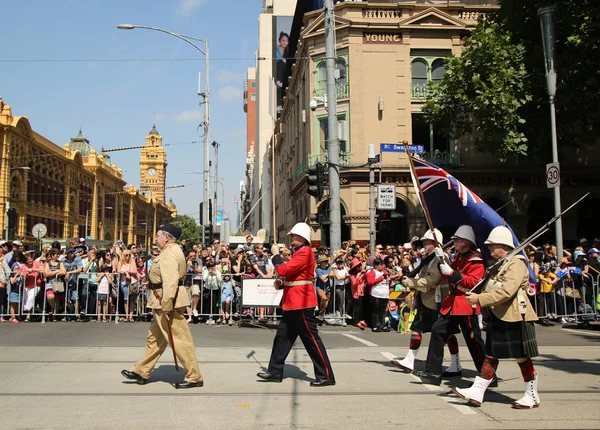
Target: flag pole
417,185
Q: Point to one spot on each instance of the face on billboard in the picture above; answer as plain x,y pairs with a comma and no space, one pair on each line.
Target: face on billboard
281,38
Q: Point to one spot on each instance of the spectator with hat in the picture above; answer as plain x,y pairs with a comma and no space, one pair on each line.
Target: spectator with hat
73,266
323,283
357,286
593,262
17,245
168,302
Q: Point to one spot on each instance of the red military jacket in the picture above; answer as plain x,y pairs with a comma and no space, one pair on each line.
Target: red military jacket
468,270
298,275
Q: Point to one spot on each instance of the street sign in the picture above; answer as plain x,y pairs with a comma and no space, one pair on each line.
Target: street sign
398,147
553,175
386,197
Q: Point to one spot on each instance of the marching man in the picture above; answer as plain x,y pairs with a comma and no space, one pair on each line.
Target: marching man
466,270
510,329
298,302
427,299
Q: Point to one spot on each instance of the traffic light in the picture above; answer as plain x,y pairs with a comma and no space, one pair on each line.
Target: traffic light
207,234
383,221
12,222
316,180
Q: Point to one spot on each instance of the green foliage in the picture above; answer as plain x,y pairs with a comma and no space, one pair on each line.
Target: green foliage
190,230
482,92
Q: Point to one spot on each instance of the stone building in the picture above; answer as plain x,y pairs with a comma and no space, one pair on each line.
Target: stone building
386,55
71,187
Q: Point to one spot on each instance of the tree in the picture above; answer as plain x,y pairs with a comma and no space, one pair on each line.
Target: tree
190,230
483,91
496,90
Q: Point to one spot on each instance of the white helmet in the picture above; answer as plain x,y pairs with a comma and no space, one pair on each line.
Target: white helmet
301,229
500,236
465,232
429,235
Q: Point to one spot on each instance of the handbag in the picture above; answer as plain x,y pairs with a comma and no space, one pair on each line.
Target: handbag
58,286
571,292
134,288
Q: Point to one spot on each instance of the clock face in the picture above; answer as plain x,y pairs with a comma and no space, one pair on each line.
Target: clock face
151,171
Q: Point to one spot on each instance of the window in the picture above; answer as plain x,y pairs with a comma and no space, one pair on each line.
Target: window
418,78
321,149
253,97
341,83
253,84
438,70
426,66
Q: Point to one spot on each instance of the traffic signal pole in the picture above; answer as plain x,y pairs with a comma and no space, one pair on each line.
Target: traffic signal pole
333,145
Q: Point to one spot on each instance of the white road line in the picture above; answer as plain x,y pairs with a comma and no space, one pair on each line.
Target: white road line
463,409
581,332
358,339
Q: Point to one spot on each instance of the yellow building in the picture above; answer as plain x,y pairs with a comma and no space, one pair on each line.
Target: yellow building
386,55
67,188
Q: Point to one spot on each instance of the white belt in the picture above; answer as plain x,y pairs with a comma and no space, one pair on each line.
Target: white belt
294,283
463,289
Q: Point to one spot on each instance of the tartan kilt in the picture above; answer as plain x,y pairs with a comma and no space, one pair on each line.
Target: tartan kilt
510,339
424,319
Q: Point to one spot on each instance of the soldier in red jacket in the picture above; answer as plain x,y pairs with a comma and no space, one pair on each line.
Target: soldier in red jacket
463,274
298,302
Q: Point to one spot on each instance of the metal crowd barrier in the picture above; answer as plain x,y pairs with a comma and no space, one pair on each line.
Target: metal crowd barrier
575,302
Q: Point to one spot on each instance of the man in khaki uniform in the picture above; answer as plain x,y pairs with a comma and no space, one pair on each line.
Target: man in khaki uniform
165,279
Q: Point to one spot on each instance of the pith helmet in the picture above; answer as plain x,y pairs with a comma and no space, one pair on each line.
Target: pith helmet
301,229
500,236
429,235
465,232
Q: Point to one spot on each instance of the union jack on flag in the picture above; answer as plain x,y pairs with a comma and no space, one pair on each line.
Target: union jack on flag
430,175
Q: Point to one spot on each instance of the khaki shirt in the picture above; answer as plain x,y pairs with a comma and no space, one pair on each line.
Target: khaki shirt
168,270
501,292
426,283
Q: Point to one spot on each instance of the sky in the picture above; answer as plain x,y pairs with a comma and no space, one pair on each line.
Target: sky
65,65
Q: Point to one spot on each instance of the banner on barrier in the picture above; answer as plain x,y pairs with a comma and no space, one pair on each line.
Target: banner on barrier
260,292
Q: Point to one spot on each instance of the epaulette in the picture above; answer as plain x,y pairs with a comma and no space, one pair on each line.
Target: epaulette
475,256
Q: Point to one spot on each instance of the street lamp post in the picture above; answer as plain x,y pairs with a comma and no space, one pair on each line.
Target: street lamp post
548,37
205,95
7,207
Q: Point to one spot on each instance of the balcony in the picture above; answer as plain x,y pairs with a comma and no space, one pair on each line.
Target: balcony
341,90
420,91
442,159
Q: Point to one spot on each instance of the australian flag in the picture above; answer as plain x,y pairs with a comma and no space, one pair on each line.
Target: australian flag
451,204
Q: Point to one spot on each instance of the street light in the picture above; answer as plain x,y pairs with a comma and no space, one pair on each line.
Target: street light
85,235
7,194
548,37
204,94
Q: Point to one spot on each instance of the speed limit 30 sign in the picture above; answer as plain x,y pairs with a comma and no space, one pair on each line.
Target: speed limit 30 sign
552,175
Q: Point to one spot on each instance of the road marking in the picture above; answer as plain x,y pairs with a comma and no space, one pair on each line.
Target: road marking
583,333
358,339
463,409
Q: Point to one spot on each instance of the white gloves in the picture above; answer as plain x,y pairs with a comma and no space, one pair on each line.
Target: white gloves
445,269
439,253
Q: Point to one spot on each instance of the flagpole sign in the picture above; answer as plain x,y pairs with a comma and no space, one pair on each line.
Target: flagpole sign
386,197
398,147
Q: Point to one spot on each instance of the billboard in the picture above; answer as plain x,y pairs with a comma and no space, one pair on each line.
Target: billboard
281,37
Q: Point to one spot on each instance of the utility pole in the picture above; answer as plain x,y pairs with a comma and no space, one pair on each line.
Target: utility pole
205,197
372,199
215,145
333,145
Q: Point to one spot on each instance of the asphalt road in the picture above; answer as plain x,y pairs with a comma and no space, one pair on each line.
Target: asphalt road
67,375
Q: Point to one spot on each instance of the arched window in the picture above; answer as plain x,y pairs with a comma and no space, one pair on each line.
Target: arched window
322,76
342,81
418,73
438,70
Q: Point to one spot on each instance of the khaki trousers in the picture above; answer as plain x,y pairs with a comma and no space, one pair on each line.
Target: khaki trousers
158,339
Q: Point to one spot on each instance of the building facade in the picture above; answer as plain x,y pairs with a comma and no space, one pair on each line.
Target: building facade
386,55
69,188
250,110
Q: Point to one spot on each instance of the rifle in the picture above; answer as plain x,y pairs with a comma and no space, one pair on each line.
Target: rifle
493,269
170,331
427,260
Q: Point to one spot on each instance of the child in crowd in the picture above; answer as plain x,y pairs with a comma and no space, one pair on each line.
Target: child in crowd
103,289
226,296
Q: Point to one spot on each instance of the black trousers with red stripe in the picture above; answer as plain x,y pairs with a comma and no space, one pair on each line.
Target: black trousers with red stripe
446,326
301,323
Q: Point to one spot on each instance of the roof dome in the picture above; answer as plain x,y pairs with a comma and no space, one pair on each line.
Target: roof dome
81,144
154,131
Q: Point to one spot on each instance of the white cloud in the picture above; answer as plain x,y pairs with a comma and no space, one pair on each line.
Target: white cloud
185,116
230,76
185,7
229,94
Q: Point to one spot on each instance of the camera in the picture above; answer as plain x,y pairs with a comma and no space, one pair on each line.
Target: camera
312,104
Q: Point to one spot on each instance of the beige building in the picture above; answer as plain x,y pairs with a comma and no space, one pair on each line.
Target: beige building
67,188
386,55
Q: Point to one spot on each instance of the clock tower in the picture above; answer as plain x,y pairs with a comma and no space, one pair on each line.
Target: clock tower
153,166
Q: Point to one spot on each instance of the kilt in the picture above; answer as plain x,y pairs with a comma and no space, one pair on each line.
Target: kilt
510,339
424,319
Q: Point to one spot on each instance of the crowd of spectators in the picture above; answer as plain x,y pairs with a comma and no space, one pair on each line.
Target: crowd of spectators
81,283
